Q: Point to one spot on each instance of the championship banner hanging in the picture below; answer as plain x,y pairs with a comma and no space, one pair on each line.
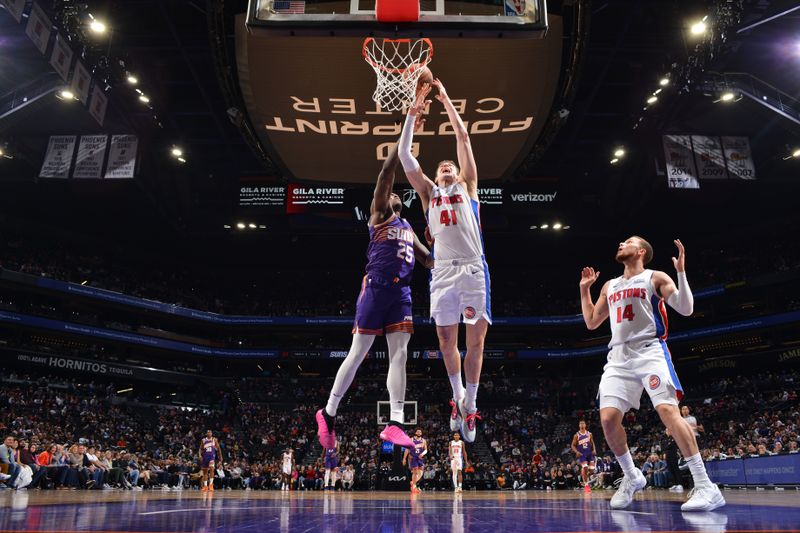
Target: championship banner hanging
15,7
122,156
58,159
99,103
61,58
38,28
709,158
80,82
739,157
681,170
91,153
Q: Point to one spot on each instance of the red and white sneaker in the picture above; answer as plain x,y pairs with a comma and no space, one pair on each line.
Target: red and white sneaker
455,417
469,424
397,436
327,435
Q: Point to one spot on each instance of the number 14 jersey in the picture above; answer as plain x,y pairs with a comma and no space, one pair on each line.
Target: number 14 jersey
635,311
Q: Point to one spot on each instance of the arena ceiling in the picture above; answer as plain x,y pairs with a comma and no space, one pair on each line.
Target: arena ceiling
176,49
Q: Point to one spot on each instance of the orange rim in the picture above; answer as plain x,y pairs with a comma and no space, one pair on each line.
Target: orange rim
369,60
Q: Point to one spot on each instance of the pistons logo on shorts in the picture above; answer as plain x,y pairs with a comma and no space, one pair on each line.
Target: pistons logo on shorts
469,312
655,382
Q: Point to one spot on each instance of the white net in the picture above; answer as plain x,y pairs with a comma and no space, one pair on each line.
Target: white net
398,64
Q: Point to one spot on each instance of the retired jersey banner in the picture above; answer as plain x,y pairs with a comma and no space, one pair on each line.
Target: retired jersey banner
81,80
91,153
61,58
38,28
709,158
99,103
122,156
739,157
58,159
15,7
515,8
681,170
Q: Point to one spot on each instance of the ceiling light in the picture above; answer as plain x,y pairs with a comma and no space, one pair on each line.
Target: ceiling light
182,160
226,226
566,227
557,225
664,81
699,28
262,226
544,226
796,154
2,152
652,100
657,92
727,96
240,225
177,152
144,99
97,26
534,227
619,152
251,226
614,161
66,94
133,80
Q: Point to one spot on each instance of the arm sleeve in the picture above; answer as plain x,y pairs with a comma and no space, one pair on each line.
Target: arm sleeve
682,299
407,159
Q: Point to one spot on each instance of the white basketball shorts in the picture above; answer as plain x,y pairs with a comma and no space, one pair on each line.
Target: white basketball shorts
636,366
456,464
460,288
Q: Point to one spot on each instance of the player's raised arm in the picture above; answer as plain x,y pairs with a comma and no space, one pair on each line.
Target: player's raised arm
466,160
421,183
593,314
680,298
385,183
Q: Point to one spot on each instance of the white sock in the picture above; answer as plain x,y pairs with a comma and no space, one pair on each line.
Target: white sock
458,387
471,396
347,371
396,377
327,477
455,480
698,470
626,463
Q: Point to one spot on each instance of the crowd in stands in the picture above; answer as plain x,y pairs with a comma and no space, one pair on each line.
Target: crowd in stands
285,292
90,436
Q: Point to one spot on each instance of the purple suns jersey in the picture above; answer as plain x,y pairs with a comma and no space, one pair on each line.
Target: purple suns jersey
208,447
584,443
390,254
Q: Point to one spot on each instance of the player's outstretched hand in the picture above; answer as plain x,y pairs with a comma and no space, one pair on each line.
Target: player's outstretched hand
680,261
420,103
588,277
442,92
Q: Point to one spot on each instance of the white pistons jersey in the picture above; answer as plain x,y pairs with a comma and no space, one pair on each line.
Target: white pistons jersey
457,447
287,461
454,222
635,311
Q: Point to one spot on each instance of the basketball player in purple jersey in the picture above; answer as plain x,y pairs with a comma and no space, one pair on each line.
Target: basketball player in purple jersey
638,359
384,305
209,452
460,285
414,459
584,450
330,459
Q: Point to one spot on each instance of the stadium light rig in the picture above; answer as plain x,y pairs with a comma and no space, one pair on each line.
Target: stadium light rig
65,95
699,27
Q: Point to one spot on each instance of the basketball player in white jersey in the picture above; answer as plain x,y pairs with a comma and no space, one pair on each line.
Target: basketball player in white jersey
458,458
639,359
460,287
286,469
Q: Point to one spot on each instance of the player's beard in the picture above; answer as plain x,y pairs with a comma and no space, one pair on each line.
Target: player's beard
621,256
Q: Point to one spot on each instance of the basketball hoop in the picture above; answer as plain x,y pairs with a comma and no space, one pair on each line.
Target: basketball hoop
398,64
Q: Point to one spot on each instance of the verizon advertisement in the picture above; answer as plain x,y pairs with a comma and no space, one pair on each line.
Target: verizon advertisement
310,100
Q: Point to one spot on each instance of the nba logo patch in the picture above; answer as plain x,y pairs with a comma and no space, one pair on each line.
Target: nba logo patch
469,312
655,381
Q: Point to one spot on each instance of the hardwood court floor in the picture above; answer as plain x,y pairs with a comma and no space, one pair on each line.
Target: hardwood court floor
485,512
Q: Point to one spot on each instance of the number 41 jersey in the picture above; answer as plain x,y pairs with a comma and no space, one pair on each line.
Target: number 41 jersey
635,311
